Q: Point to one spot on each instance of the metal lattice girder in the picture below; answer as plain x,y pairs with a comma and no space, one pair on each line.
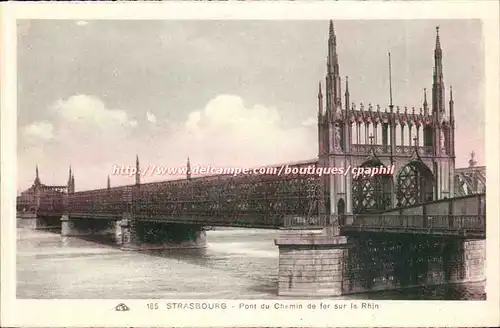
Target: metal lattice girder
102,201
256,199
52,203
415,184
371,193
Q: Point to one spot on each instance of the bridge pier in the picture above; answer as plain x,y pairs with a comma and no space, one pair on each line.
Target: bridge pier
77,227
311,264
397,261
37,222
147,235
27,221
67,227
118,231
326,264
127,238
474,260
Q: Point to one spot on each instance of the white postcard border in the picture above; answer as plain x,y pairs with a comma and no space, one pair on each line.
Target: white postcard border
81,313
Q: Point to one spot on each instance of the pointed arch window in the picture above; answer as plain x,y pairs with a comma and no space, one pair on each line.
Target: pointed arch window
415,184
371,194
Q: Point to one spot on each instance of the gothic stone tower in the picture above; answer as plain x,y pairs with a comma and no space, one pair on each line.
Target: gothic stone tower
419,146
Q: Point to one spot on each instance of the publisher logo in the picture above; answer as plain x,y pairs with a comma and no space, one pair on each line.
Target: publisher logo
122,307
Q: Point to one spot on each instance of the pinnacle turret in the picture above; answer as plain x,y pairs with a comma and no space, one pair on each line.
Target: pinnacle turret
137,170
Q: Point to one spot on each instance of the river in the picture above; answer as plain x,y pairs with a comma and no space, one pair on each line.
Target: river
236,264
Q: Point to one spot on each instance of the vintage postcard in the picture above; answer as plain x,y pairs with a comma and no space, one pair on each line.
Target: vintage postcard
280,164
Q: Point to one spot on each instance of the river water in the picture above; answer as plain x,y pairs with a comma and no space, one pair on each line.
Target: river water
236,264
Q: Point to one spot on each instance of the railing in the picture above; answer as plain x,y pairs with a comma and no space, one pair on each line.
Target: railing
438,224
450,223
302,222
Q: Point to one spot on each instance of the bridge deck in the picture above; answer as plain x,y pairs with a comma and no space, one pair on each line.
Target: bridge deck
449,225
249,200
260,201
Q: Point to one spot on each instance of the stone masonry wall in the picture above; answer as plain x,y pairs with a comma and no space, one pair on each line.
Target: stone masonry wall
474,260
311,265
310,272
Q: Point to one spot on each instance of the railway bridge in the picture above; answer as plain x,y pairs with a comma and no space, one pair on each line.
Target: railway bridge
420,222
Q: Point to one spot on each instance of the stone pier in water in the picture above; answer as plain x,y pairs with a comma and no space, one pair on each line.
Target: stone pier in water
132,234
327,264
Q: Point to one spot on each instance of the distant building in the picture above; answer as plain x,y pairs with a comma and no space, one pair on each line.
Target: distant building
31,199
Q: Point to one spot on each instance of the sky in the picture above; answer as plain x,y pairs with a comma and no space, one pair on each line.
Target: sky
93,94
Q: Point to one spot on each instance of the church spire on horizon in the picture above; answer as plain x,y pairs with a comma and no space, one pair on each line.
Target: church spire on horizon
70,179
137,170
188,169
37,176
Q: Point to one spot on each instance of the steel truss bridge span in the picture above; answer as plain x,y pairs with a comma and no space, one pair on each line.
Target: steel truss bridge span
256,200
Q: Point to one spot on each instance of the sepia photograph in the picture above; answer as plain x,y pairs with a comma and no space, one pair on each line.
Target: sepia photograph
254,159
194,164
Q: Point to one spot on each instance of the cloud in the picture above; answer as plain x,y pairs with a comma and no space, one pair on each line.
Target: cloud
90,110
151,117
39,130
310,121
229,132
192,121
83,131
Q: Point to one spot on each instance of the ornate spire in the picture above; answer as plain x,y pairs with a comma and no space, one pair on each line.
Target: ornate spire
438,41
347,95
188,171
69,179
37,176
438,81
333,93
320,100
426,105
137,170
333,66
452,107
